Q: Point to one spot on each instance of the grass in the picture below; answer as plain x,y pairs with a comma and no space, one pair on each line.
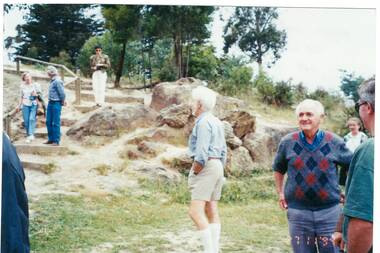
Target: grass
102,169
138,222
49,168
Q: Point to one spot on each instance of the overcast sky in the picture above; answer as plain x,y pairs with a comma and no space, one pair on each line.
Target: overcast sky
320,41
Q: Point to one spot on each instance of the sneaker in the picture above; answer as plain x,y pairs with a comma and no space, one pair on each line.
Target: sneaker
28,140
55,144
48,142
31,137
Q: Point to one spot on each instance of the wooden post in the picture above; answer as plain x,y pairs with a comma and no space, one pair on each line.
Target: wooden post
77,92
62,74
18,66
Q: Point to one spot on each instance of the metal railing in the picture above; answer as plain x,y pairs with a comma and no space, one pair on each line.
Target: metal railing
8,117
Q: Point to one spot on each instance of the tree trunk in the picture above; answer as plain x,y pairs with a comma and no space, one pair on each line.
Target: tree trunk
119,71
187,60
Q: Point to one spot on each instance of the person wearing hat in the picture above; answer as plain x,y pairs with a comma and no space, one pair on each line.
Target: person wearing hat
99,63
56,101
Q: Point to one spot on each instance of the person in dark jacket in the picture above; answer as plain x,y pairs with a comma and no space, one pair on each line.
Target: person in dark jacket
14,203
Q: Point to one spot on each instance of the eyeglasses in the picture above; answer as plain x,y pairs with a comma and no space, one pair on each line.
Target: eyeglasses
358,104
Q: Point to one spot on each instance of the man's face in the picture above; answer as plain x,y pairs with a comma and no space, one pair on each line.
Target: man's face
195,108
308,119
98,51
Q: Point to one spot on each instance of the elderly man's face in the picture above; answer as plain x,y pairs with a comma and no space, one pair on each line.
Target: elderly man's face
308,119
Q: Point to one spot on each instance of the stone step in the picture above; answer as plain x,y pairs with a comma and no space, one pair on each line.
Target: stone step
89,96
85,108
40,149
33,162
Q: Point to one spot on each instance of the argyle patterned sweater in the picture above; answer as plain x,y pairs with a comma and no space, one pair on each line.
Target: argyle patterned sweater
312,181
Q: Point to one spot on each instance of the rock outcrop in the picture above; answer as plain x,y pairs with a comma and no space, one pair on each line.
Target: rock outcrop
112,120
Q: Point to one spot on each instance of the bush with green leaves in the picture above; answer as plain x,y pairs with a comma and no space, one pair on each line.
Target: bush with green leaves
203,63
265,88
283,93
63,58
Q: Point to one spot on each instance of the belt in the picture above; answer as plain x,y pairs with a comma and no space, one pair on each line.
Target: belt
54,101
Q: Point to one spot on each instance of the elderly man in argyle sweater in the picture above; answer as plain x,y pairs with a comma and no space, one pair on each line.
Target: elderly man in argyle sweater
311,194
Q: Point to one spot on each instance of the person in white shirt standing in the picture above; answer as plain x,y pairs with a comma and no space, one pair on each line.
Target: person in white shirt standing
99,64
28,104
355,137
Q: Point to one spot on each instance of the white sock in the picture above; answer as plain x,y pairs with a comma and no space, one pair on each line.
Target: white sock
215,235
206,240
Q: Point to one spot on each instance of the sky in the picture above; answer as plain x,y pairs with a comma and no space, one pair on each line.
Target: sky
320,42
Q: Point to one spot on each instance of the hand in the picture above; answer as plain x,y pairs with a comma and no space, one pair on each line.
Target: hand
94,68
338,240
64,103
282,202
342,198
18,108
197,167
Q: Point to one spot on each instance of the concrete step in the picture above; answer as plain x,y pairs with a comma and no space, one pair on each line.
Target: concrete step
86,108
89,96
33,162
40,149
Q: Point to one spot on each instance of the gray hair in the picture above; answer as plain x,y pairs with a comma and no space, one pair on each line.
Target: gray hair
316,106
366,92
51,70
205,96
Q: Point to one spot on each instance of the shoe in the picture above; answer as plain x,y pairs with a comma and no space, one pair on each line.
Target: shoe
28,140
31,137
48,142
55,144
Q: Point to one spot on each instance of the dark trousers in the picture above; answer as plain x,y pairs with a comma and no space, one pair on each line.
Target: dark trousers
53,121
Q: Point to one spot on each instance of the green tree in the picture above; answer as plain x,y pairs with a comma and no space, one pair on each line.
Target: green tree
52,28
203,64
254,31
350,83
265,88
283,93
185,25
125,24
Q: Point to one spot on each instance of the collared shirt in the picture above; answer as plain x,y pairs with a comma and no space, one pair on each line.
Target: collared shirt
100,59
26,91
56,90
317,140
353,142
207,139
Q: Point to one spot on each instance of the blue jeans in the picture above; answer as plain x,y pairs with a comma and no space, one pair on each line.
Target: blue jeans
310,230
53,121
29,114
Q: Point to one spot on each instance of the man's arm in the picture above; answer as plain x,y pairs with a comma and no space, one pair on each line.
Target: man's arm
201,147
279,181
338,236
359,235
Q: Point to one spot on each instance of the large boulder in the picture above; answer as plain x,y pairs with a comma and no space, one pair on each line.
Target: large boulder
231,139
112,120
240,163
263,144
169,93
176,116
226,105
242,122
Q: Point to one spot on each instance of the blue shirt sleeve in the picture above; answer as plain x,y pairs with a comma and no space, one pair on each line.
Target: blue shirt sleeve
203,143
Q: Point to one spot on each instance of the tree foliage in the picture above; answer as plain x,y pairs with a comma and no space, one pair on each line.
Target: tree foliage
185,25
53,28
254,31
349,84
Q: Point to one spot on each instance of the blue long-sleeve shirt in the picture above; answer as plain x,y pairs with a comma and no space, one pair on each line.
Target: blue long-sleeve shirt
56,90
207,139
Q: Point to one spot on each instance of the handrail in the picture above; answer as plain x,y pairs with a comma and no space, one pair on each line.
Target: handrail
47,63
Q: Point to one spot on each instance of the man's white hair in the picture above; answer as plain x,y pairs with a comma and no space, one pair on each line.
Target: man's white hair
312,104
205,96
52,70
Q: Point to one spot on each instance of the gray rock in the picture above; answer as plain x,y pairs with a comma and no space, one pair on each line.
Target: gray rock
176,116
112,120
155,171
241,162
243,122
231,140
